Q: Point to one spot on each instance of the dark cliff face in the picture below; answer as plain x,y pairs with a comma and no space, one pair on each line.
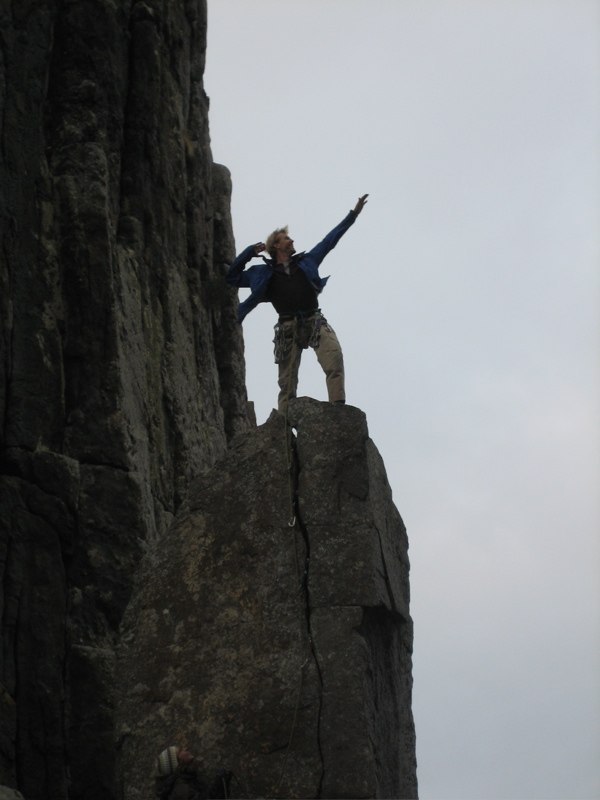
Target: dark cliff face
121,364
269,631
121,382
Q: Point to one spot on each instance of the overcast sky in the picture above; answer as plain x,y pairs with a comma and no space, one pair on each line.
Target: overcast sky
466,298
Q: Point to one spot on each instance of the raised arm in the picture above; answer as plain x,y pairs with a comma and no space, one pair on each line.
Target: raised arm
320,250
236,275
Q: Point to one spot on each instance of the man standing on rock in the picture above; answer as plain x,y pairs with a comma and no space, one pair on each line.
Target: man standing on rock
291,282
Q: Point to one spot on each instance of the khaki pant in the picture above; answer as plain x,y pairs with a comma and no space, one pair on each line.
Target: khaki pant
297,335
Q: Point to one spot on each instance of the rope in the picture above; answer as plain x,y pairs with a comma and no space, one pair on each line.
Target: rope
292,524
293,729
287,432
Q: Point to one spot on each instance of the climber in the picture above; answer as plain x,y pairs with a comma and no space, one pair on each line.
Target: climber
291,282
180,777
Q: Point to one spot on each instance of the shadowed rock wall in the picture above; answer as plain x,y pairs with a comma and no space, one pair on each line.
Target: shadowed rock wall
121,365
270,630
285,649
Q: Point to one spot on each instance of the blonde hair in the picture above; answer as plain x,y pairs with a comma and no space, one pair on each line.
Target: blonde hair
272,239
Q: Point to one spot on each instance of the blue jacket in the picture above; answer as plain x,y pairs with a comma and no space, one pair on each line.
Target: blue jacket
257,278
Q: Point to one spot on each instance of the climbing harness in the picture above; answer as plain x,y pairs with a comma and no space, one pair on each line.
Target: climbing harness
282,342
302,329
315,338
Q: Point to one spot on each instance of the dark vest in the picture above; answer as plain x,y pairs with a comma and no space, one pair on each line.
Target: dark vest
291,292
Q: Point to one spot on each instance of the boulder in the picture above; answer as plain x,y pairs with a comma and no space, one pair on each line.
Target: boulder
270,630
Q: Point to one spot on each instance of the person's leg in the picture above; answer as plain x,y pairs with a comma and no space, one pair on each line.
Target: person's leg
329,354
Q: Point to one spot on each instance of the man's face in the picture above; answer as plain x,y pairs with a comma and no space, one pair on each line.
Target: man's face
184,756
284,247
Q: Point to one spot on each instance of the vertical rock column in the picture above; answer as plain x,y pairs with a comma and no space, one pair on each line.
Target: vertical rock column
215,652
358,597
270,630
114,224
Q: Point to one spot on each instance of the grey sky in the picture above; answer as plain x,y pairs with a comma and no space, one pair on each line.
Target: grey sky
466,298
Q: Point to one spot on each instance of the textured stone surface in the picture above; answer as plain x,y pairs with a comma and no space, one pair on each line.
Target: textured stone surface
359,596
121,365
6,793
121,380
282,652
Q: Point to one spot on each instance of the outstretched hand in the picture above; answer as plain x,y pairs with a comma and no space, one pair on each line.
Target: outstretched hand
362,201
259,247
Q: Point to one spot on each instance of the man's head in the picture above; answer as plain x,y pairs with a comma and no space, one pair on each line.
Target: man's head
280,245
170,758
167,761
